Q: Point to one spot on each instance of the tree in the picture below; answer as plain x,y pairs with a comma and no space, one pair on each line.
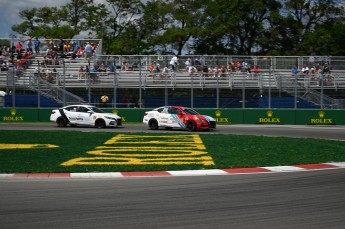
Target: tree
305,19
172,23
235,27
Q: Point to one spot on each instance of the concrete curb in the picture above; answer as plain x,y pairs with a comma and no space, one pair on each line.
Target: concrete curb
206,172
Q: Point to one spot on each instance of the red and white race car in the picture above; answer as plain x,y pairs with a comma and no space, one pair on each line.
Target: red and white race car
178,117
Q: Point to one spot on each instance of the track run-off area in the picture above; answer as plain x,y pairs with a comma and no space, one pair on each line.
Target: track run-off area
299,198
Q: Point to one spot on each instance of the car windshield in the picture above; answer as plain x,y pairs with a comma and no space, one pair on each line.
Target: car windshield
190,111
96,110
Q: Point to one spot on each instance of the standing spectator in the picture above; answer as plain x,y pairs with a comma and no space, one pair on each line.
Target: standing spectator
61,44
88,50
30,44
37,44
174,63
19,47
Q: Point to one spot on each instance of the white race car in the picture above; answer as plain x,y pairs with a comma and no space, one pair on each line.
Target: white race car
178,117
74,115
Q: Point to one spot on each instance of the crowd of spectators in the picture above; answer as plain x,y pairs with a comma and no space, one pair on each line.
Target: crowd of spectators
319,72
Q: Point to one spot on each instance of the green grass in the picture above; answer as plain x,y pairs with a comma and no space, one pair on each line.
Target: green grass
227,151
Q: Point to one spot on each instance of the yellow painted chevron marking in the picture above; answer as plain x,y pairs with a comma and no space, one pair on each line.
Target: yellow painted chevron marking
125,149
26,146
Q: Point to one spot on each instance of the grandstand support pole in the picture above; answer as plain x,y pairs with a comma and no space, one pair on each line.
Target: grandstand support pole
13,81
115,86
89,84
295,101
269,83
217,89
64,82
38,85
166,93
243,93
192,92
140,82
321,93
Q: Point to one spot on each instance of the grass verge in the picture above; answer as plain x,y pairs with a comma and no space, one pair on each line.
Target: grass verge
155,152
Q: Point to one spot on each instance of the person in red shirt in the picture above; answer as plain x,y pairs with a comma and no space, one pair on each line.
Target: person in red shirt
19,47
256,70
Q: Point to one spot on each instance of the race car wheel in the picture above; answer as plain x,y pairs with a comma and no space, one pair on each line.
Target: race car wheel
61,122
153,124
100,123
191,125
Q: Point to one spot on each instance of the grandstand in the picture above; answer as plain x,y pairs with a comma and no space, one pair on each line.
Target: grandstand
52,84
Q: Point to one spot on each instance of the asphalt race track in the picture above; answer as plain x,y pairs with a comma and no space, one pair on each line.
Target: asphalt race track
310,199
326,132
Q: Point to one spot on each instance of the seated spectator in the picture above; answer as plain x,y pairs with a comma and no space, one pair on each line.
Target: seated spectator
294,70
151,67
157,67
94,73
66,47
188,64
80,51
223,71
305,69
81,73
4,65
192,70
198,64
111,68
256,70
124,66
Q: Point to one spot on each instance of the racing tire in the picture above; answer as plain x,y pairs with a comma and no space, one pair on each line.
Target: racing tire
61,122
153,124
100,123
191,126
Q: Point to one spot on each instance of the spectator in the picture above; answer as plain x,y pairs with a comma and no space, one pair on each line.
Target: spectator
61,44
30,44
88,50
37,44
294,70
174,63
305,69
256,70
81,73
151,67
111,68
188,64
66,47
19,47
223,72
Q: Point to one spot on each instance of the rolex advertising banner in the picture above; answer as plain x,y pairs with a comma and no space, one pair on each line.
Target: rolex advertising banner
222,116
320,117
18,115
269,116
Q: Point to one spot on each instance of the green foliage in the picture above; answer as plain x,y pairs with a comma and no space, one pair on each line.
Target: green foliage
289,27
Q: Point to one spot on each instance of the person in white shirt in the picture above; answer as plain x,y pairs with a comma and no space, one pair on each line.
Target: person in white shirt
174,62
305,69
